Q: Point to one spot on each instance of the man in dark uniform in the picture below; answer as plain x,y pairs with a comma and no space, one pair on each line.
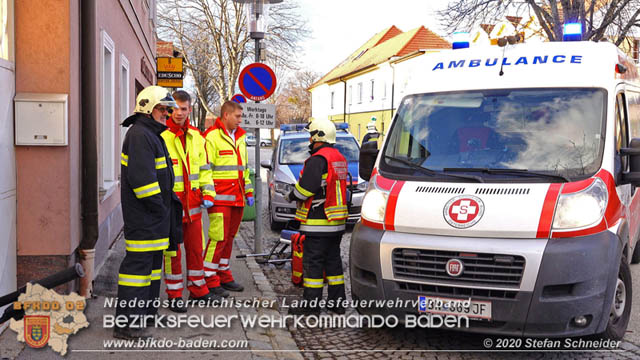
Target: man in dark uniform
152,213
322,212
372,134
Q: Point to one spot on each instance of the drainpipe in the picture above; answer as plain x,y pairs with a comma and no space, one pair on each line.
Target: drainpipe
89,202
344,102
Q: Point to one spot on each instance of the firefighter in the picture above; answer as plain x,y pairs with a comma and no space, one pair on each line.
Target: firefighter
372,133
322,212
194,187
227,151
150,209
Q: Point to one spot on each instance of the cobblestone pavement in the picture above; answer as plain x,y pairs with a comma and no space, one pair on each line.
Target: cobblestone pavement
400,343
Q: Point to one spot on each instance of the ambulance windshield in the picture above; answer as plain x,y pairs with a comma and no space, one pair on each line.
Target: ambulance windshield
552,131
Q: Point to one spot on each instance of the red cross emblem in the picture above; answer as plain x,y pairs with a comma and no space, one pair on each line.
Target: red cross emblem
463,211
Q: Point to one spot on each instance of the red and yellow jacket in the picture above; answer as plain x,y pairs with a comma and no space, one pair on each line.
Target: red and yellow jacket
193,182
228,161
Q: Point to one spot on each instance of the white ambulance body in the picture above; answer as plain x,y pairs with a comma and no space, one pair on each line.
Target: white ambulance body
501,180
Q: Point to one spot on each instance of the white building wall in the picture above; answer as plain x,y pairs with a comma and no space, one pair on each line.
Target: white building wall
8,253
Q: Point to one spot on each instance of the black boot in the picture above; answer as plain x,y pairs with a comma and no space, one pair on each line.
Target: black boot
177,305
208,297
218,290
232,286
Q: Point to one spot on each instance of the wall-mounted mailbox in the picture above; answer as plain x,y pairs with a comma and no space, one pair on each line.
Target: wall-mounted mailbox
41,119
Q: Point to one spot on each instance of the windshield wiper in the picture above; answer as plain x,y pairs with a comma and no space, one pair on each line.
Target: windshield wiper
432,172
510,171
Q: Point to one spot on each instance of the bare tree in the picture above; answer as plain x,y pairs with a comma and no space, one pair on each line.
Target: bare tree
599,18
293,103
213,37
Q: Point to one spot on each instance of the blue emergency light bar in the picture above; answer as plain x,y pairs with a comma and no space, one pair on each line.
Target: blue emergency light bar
300,127
460,40
572,32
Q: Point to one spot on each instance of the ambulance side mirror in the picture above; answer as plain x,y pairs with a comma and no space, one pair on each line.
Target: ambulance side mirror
633,152
368,155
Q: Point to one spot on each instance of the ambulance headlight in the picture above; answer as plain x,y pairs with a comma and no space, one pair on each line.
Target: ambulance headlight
581,209
374,203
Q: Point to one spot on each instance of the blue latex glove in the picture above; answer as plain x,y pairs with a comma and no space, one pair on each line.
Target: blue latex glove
250,201
207,204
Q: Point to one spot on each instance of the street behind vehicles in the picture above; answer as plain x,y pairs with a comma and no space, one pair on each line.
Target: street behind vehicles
508,177
289,154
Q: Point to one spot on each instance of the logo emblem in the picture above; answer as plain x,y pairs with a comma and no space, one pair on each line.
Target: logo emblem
463,211
455,267
36,330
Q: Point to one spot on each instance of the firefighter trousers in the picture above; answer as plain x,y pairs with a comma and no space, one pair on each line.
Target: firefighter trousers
224,222
321,256
139,279
193,243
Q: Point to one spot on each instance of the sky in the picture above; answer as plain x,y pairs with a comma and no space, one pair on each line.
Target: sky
339,27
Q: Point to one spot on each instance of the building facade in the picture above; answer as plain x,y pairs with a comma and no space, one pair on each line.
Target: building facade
365,84
99,54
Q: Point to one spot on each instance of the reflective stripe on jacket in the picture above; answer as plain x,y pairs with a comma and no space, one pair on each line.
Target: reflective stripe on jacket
192,172
228,161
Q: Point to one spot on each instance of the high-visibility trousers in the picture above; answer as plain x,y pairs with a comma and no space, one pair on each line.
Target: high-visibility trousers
224,222
193,241
139,279
322,257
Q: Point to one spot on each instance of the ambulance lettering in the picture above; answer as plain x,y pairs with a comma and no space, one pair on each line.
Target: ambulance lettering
522,60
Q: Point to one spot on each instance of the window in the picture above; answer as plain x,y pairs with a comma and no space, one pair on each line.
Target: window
332,96
6,30
359,93
124,95
384,90
107,112
372,87
350,94
636,51
621,130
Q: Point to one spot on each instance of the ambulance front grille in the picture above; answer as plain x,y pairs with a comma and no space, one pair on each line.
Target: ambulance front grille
502,191
480,269
444,291
440,189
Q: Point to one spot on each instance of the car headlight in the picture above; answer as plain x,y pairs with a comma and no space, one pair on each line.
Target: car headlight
581,209
282,187
374,204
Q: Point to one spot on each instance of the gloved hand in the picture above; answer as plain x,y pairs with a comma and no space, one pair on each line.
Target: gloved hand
207,204
250,201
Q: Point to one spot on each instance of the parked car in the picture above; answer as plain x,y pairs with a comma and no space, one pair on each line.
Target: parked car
264,142
251,140
288,158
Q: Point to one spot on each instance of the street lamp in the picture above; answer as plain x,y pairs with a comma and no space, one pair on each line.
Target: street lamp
257,26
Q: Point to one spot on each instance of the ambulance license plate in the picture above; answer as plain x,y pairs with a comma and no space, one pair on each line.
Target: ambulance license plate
473,309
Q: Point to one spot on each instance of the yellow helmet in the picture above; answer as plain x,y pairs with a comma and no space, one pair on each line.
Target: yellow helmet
322,130
152,96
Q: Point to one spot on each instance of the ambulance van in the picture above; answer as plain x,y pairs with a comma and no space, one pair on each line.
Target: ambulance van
508,178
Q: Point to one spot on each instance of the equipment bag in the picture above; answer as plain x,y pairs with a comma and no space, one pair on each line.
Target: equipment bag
297,241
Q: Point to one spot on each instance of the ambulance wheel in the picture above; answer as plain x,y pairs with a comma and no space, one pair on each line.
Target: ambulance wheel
635,258
621,306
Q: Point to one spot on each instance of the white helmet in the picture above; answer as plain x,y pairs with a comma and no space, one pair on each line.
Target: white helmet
371,126
152,96
322,130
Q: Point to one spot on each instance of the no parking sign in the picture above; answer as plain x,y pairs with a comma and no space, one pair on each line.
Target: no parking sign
257,81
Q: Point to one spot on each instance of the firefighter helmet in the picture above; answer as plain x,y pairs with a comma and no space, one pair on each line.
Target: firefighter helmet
322,130
371,126
152,96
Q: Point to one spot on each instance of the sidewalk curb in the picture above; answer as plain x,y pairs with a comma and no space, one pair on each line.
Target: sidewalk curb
265,343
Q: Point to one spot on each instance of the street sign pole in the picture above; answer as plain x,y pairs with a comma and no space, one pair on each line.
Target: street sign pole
257,224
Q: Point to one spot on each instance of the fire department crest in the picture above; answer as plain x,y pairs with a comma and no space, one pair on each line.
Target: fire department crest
36,330
463,211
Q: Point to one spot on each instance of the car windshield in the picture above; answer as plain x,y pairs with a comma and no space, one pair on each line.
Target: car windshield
553,131
296,150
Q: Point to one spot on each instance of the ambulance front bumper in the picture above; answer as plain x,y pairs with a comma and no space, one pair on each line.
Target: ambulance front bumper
559,280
